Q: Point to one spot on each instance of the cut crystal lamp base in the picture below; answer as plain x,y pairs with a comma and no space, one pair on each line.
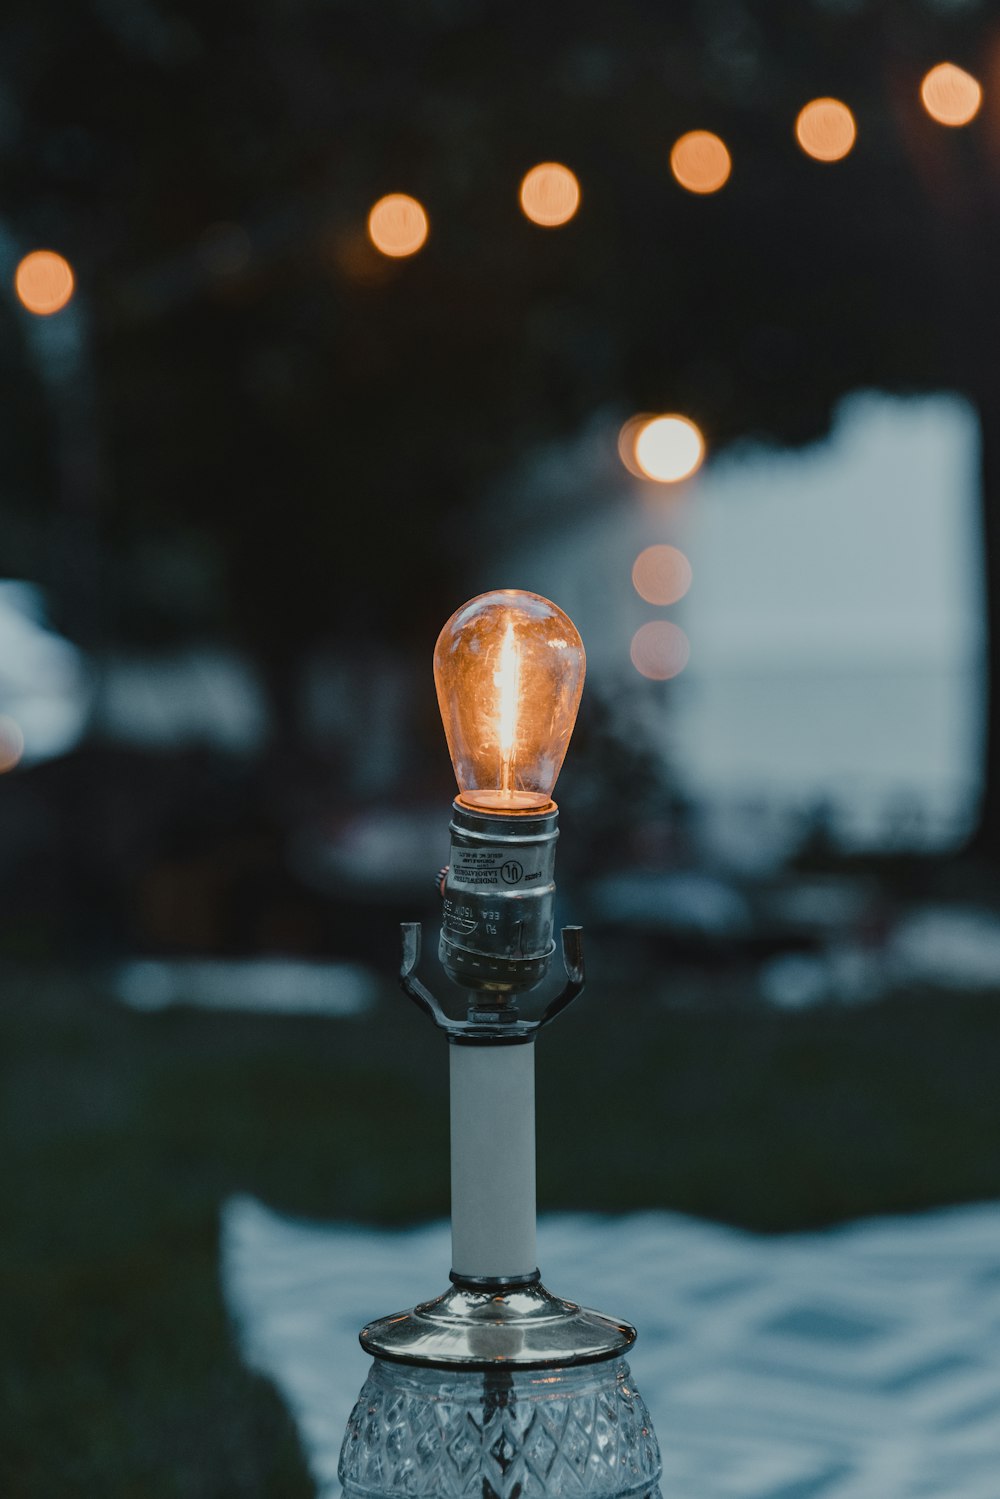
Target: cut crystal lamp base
422,1433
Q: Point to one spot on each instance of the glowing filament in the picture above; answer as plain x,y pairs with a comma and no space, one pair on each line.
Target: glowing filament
507,680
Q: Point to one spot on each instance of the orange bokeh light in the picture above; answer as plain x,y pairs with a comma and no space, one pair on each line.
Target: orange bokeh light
398,225
661,575
825,129
44,282
701,162
11,743
626,441
951,95
668,449
660,650
550,194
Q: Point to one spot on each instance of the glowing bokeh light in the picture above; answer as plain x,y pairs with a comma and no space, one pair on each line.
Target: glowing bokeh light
398,225
825,129
951,95
668,449
701,162
11,743
626,441
661,575
660,650
550,194
44,282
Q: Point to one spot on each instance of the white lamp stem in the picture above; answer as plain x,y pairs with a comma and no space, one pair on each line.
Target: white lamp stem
493,1161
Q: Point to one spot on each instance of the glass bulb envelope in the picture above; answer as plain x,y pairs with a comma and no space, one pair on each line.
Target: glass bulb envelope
509,669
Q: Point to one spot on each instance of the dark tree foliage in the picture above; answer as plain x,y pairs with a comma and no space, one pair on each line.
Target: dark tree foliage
312,423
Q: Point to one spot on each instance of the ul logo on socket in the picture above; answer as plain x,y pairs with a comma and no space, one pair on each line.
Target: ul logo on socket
511,872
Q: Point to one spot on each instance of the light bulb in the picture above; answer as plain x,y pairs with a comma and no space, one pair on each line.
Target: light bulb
509,669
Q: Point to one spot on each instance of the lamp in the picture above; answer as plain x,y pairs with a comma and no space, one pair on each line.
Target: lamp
497,1388
509,671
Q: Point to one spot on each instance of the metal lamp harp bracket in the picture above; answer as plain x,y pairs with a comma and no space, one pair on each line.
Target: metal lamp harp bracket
490,1024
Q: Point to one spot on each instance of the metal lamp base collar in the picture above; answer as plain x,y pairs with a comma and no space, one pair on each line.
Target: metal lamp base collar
494,1326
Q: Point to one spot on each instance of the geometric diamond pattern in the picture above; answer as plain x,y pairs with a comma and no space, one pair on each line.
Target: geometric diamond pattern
861,1362
422,1434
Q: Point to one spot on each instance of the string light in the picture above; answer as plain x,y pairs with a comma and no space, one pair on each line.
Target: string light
44,282
626,441
11,743
950,95
661,575
550,194
660,650
669,448
398,225
825,130
700,161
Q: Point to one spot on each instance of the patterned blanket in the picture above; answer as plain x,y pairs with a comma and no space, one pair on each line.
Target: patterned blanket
858,1363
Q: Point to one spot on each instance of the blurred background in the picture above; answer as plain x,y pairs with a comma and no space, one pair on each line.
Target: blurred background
318,319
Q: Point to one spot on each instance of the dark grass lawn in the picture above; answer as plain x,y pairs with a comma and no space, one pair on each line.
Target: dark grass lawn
124,1132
